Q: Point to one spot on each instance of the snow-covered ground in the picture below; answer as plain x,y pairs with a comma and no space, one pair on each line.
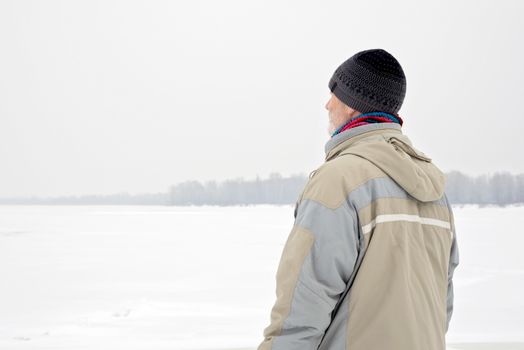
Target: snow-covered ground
141,277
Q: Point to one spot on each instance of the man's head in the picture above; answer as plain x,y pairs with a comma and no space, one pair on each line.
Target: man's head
369,81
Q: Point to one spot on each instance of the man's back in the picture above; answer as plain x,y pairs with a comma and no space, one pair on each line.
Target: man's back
369,261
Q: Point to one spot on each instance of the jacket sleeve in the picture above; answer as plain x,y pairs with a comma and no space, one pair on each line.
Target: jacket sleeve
316,263
453,263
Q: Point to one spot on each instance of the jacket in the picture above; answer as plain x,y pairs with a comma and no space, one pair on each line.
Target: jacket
369,261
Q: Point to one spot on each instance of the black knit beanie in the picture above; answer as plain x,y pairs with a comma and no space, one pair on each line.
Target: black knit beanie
370,81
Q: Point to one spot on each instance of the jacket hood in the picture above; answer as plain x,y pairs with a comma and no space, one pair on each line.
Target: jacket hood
386,147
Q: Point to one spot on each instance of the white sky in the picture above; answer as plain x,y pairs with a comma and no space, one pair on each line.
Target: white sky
109,96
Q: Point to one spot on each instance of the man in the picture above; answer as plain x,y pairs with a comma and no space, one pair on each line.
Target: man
369,262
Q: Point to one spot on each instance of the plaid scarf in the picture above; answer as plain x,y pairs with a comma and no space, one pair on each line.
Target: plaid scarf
368,118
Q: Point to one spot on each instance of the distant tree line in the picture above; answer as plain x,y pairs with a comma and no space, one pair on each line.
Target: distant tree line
500,188
274,190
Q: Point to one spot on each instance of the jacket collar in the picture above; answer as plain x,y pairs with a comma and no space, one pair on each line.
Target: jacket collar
347,137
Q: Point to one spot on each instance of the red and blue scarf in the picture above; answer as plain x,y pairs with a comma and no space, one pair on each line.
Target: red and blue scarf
369,118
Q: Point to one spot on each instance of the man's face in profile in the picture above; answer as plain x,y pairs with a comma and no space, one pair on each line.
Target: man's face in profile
337,113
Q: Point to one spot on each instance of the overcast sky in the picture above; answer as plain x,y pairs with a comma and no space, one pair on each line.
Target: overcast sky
108,96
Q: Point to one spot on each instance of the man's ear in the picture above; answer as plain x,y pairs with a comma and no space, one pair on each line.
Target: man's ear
352,112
